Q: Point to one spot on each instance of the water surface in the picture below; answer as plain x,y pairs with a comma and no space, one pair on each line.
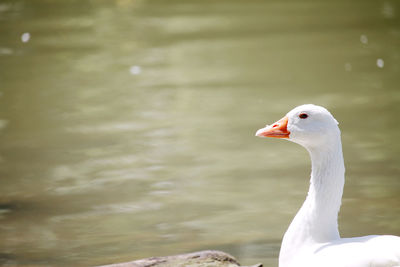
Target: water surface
127,127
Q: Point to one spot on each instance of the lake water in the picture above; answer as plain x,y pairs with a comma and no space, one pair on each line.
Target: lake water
127,126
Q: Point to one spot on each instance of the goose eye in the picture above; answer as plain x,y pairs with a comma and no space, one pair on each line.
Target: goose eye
303,116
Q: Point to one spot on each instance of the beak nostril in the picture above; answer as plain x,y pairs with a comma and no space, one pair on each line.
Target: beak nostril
278,130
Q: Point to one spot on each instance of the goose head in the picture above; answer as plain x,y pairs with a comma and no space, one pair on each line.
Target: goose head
308,125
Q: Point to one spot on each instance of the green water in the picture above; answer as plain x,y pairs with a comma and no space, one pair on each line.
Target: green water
127,127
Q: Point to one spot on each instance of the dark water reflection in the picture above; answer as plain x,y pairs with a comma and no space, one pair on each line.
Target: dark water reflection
127,127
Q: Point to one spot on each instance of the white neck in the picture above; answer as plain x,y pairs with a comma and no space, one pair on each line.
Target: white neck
316,221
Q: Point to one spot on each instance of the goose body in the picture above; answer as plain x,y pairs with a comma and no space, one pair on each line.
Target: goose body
313,239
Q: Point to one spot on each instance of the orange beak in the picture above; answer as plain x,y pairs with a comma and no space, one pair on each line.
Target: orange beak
277,130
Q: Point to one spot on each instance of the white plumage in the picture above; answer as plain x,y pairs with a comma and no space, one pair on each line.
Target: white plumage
312,239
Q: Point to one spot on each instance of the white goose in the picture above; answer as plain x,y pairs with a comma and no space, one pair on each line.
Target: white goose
312,239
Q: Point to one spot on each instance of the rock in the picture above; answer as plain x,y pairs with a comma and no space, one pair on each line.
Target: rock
207,258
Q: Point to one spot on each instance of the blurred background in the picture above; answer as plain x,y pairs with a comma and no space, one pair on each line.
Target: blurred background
127,126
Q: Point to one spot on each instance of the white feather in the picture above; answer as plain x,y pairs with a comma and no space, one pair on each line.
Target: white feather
312,239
